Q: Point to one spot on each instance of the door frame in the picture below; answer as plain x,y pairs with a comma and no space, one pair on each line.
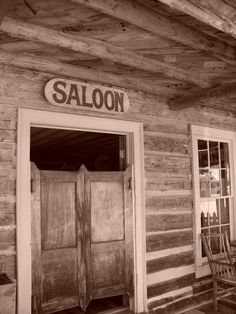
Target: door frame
28,118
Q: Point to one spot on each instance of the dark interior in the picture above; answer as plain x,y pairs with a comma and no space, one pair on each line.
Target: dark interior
57,149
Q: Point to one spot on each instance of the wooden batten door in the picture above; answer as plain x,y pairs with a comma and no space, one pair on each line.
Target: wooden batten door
82,238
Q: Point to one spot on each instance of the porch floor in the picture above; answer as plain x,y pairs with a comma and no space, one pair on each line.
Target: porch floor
112,305
225,306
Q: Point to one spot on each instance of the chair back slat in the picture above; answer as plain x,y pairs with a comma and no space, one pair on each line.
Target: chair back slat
226,269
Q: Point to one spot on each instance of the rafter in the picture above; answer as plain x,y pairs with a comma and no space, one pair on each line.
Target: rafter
50,66
203,11
98,48
203,97
4,7
220,8
139,15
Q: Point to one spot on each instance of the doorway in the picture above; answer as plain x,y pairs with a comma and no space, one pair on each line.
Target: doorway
82,224
134,134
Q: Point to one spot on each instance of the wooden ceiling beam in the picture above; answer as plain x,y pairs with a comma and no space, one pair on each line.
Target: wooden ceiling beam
101,49
203,97
4,7
139,15
203,11
50,66
220,8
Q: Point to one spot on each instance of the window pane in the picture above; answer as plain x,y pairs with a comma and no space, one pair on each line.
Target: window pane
215,182
225,182
215,242
205,231
214,154
213,210
202,154
204,214
204,178
227,229
224,155
224,210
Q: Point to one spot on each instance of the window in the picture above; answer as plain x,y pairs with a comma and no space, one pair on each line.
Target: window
213,171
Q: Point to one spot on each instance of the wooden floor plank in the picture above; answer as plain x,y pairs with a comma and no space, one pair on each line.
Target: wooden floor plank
112,305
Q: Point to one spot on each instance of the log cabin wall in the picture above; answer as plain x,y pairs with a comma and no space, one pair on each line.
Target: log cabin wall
158,50
171,283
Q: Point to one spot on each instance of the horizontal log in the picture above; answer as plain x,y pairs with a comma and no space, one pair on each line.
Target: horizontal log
58,68
169,297
166,222
8,146
166,144
170,126
7,187
7,219
157,203
8,265
7,156
98,48
168,240
7,238
161,25
7,207
165,183
170,285
201,11
202,284
175,260
208,97
168,164
7,136
7,124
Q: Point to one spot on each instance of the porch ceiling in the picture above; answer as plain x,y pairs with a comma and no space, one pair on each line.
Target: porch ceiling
181,50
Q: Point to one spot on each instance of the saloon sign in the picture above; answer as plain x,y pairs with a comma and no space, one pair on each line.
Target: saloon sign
78,95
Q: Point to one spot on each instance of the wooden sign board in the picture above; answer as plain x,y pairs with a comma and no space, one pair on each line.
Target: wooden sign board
79,95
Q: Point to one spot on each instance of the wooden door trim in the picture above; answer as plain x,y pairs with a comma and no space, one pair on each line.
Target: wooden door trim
134,131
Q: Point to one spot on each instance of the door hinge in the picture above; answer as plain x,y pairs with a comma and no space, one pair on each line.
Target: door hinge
32,186
130,184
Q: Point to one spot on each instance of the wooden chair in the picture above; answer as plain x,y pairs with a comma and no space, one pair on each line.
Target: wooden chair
222,264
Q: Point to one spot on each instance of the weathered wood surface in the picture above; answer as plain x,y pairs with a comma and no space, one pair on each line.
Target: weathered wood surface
164,183
111,232
29,31
84,73
176,144
8,298
167,163
215,15
161,241
167,286
175,260
139,15
207,97
36,239
166,222
168,203
167,166
4,7
180,302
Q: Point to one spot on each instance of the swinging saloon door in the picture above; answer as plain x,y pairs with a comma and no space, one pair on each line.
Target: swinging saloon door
82,238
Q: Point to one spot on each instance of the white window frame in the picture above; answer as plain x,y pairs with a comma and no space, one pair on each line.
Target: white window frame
28,118
210,134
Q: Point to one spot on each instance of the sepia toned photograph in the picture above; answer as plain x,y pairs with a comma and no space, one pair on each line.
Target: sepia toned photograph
117,157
